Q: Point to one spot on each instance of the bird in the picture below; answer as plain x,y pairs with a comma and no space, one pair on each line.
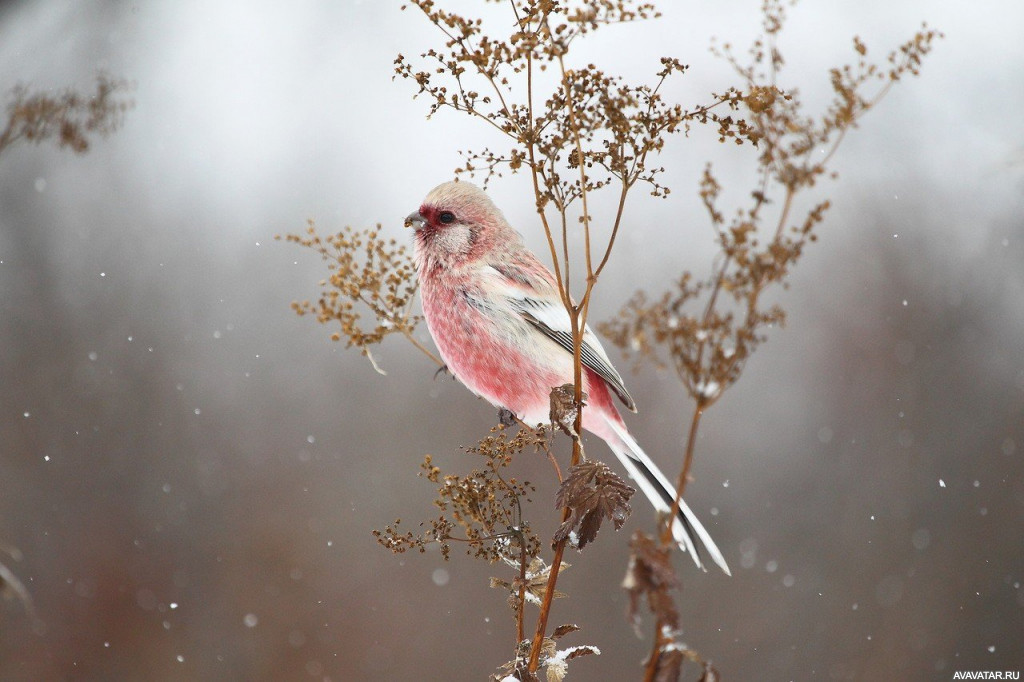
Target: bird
497,319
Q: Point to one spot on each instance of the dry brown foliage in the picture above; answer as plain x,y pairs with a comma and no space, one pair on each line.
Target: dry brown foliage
650,578
592,493
486,504
578,129
370,277
554,662
68,118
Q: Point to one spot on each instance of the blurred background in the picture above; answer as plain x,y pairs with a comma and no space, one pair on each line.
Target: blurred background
191,472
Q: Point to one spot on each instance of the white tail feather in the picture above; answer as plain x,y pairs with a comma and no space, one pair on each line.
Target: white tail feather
661,492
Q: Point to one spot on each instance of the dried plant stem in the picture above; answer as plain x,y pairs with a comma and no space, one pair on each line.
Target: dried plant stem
784,214
701,402
521,599
651,669
426,351
577,315
574,127
577,455
554,463
577,335
626,185
684,474
563,291
654,659
545,606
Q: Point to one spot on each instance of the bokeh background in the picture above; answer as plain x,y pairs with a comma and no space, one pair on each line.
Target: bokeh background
191,472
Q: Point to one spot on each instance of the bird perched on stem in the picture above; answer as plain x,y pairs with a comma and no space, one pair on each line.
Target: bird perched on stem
496,316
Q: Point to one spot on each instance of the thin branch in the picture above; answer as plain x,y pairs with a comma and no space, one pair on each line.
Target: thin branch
426,351
574,127
684,475
545,606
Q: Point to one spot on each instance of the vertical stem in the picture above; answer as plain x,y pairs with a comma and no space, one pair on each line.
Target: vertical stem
521,605
577,343
583,170
691,444
577,453
531,143
545,608
651,669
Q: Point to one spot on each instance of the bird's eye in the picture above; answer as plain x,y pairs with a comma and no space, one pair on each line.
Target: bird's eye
446,217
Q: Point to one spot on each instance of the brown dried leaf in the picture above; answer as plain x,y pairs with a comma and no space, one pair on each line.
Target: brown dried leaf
563,630
592,492
584,650
564,410
650,574
556,663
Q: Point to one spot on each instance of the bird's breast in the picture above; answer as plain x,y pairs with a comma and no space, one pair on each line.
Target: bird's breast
488,348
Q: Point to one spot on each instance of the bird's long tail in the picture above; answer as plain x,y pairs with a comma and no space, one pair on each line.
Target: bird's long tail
662,494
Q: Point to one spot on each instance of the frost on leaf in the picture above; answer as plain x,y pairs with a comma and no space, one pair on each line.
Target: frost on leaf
533,584
554,662
592,492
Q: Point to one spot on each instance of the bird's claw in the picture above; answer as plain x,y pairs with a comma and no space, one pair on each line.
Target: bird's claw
506,417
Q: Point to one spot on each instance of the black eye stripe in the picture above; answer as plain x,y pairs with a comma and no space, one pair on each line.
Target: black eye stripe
446,217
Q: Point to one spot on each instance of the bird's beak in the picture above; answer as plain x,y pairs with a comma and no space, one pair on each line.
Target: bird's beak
415,220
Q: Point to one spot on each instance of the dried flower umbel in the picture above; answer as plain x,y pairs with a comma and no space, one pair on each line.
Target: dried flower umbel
486,505
483,511
370,277
577,129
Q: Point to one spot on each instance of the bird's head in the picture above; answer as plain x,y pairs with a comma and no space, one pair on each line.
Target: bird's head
456,221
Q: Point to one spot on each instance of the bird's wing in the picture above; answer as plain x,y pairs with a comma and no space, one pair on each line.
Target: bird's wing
533,295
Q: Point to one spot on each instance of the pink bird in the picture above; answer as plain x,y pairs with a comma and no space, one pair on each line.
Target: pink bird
495,314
